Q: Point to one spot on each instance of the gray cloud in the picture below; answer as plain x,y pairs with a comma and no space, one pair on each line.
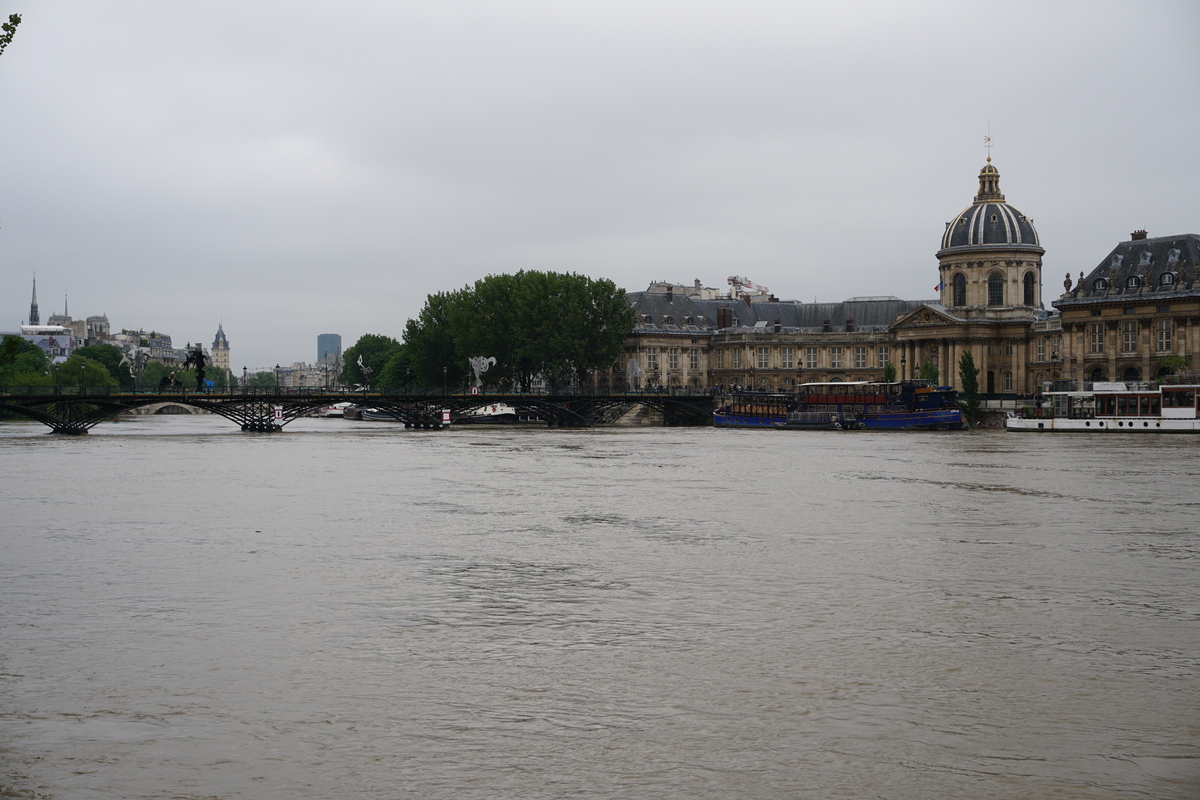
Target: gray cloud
296,168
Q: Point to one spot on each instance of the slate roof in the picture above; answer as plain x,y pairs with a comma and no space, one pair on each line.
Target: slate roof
873,314
1161,267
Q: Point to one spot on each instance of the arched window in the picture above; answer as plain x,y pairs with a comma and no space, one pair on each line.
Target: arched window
1029,289
1131,374
960,289
1133,281
995,289
1167,279
1100,285
1097,374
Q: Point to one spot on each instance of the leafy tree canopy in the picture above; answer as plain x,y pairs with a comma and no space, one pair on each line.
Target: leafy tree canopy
889,372
21,362
375,351
928,372
560,326
79,370
110,356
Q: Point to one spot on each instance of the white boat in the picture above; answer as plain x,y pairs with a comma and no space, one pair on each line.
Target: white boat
1113,407
335,410
493,413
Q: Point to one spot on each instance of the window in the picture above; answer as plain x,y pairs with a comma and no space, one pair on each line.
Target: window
1164,329
1008,348
1008,383
810,357
668,320
1029,289
764,358
788,359
1133,281
1129,337
1167,279
673,358
1040,349
860,358
1096,337
720,359
883,356
737,357
995,289
960,289
1100,284
652,358
1056,346
835,358
693,359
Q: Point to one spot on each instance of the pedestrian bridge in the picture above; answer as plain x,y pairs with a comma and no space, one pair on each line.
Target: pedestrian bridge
75,410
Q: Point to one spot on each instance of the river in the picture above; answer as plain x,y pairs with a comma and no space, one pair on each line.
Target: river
351,610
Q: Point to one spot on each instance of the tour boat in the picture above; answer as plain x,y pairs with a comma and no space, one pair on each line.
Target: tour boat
1112,406
493,413
901,405
335,410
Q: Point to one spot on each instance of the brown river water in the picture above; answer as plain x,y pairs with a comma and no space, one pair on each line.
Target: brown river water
351,610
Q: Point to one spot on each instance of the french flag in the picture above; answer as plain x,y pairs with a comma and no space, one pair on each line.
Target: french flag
938,288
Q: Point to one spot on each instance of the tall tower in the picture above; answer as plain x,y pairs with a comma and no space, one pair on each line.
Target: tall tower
329,346
34,319
990,260
220,351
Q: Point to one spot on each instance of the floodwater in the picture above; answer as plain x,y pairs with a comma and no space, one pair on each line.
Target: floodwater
352,610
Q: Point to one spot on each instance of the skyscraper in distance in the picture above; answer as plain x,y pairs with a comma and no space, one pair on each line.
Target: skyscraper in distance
329,345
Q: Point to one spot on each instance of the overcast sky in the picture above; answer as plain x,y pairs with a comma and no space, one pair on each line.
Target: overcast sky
295,168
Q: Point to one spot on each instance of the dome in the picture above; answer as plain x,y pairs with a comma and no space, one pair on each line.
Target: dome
990,221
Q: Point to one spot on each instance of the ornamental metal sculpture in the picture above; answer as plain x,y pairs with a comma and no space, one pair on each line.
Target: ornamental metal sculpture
197,359
480,365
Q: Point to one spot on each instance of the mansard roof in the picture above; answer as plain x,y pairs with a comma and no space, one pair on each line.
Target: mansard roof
1142,268
867,313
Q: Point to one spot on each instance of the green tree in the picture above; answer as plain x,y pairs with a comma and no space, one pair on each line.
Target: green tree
23,363
561,326
110,357
397,371
889,372
79,370
10,30
1175,364
430,342
969,375
928,372
262,380
374,349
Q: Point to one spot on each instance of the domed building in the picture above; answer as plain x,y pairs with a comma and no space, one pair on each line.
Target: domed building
990,263
990,260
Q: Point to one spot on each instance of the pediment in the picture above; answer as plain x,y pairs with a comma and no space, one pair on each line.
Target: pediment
924,316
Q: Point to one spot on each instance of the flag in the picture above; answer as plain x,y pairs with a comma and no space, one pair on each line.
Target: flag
938,288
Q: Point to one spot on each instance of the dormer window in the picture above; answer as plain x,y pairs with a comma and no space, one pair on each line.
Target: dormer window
995,218
1145,259
689,320
1116,260
668,320
1100,285
1133,282
1167,279
1173,257
646,318
962,220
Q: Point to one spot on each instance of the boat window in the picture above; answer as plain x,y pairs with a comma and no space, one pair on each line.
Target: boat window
1144,405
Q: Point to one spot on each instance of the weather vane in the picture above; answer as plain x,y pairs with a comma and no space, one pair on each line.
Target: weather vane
987,142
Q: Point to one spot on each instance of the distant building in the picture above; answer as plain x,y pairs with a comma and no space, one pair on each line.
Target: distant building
34,319
329,346
220,350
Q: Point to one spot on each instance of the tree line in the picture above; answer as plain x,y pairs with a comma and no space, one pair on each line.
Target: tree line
554,326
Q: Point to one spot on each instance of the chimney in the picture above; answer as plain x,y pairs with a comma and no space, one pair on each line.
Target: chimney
778,325
670,295
1137,235
724,317
747,299
827,328
849,324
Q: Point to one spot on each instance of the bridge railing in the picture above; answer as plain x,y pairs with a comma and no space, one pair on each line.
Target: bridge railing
334,395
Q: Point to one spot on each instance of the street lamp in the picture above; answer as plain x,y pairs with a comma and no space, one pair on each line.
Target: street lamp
245,379
278,382
799,376
445,390
903,371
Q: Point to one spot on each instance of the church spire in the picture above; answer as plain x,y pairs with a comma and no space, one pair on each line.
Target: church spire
34,319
